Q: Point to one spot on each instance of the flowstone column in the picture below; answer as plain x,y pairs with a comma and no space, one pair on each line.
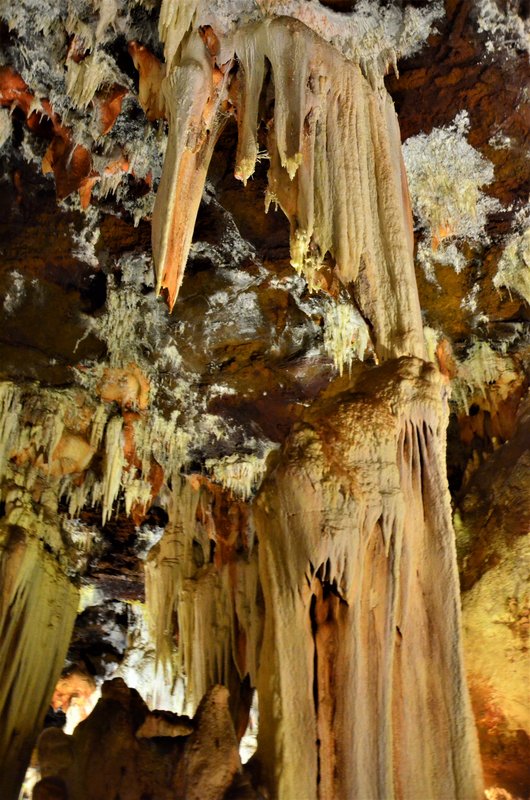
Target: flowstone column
360,679
361,683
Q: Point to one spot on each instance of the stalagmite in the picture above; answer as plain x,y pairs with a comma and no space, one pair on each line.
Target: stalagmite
361,681
111,754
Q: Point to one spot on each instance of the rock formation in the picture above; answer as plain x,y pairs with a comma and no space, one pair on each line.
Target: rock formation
264,352
361,606
112,752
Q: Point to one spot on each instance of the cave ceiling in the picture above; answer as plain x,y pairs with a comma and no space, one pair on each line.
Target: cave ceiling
210,390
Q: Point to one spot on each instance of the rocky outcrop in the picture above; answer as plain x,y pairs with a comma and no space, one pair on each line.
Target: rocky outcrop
116,752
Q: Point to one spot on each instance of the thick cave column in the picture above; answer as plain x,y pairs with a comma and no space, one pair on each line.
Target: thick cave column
361,682
360,678
38,604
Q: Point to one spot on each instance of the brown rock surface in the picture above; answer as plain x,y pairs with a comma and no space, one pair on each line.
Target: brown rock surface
494,543
109,755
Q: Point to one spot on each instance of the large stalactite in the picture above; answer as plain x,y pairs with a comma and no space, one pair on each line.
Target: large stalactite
336,168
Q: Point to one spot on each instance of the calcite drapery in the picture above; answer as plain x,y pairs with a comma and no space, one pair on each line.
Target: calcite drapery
335,166
361,682
38,604
213,609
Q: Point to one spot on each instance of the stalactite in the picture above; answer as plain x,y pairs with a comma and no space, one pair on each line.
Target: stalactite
482,372
361,683
240,474
346,335
354,644
48,438
336,167
114,463
514,266
205,615
38,605
196,95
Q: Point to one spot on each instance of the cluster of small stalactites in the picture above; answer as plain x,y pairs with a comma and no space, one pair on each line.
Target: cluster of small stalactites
373,34
49,440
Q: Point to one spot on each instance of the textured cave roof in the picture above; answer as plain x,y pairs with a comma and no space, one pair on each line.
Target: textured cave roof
248,333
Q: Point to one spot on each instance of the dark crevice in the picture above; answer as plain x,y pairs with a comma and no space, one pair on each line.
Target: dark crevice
329,586
314,628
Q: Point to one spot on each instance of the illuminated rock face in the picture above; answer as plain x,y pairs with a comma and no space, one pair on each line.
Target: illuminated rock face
492,535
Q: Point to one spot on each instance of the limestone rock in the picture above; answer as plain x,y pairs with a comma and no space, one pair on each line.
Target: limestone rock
109,754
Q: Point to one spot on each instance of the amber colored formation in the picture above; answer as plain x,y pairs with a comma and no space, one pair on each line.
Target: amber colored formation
335,168
279,512
37,612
